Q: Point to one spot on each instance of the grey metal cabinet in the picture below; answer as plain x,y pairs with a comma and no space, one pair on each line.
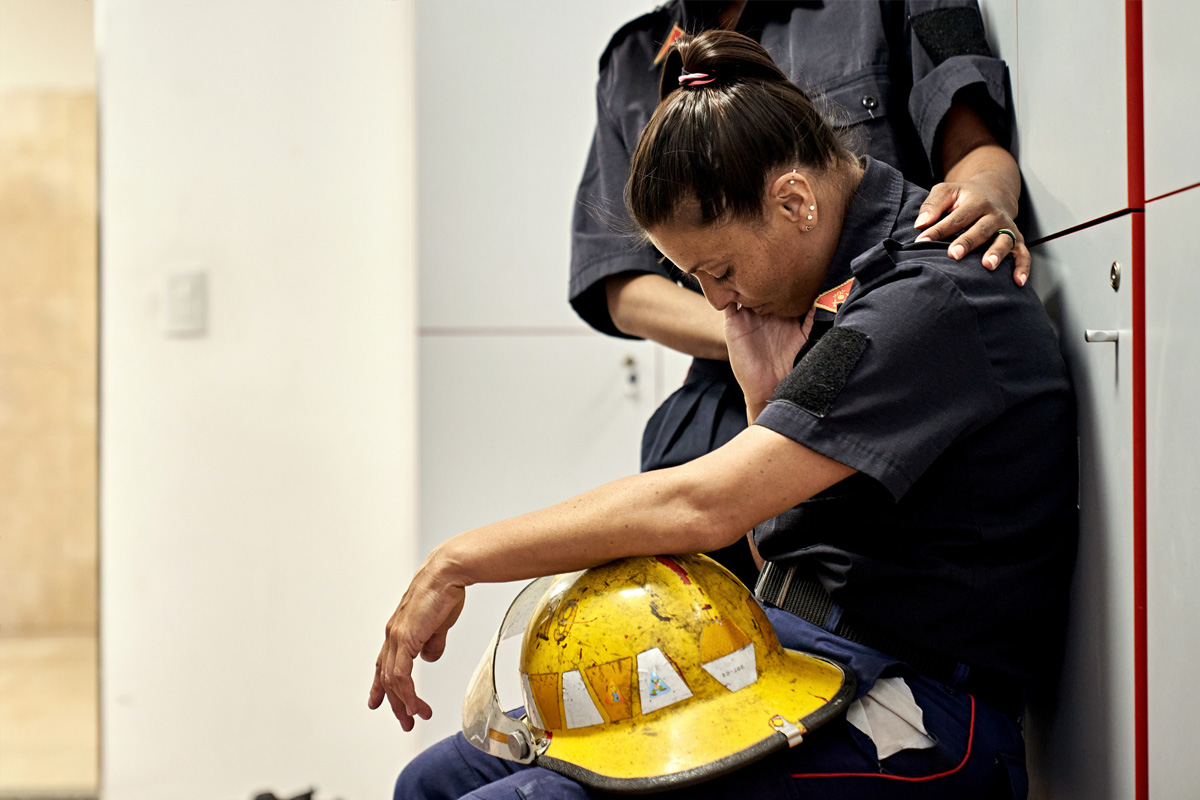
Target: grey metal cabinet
1173,464
1080,733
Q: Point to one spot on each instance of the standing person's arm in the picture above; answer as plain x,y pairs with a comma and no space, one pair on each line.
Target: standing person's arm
981,192
653,307
960,107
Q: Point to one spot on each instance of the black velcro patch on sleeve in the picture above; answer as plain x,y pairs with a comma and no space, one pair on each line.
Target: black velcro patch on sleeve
820,375
947,32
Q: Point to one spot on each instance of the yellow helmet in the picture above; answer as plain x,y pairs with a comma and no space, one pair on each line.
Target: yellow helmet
650,673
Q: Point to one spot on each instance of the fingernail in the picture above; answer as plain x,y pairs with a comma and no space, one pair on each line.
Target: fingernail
924,237
1021,280
992,261
957,251
922,218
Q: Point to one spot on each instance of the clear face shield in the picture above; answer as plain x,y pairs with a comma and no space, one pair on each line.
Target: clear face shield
485,724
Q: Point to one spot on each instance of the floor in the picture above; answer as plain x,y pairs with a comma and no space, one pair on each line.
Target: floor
49,720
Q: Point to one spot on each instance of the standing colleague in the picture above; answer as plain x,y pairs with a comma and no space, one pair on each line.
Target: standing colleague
918,87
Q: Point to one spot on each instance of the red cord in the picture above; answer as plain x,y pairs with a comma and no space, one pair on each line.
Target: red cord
961,764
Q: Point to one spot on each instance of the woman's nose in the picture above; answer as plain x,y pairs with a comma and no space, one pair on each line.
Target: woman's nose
717,296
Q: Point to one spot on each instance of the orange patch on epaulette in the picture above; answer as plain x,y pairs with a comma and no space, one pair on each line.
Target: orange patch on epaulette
833,299
675,33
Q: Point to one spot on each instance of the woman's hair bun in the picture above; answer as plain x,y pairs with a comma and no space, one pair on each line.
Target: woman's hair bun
717,133
724,56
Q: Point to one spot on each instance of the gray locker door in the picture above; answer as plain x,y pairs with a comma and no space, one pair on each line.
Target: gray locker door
1071,110
1080,734
1173,549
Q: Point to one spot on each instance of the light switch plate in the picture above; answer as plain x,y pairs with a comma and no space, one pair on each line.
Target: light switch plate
185,306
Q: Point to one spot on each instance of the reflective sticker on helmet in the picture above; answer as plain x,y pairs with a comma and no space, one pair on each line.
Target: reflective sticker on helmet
581,711
544,689
736,670
613,684
531,708
659,685
721,638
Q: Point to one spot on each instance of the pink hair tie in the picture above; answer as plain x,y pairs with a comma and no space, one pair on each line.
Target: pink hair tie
693,79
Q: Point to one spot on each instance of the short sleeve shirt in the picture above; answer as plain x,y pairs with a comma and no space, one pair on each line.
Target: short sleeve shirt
942,384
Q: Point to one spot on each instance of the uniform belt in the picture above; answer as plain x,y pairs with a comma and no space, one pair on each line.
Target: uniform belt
788,587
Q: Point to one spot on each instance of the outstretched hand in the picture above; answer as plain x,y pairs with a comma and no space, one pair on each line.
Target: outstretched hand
977,214
761,351
417,627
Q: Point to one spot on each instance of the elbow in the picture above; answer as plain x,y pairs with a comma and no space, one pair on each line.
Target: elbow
711,526
618,311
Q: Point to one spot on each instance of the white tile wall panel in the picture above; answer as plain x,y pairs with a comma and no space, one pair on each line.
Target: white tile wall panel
1173,548
1171,77
508,425
1080,734
1071,111
506,108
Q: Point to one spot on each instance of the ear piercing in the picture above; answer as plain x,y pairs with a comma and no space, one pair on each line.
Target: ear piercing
810,208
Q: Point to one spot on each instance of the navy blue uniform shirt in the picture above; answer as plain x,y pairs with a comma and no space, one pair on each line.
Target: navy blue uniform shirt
890,70
943,385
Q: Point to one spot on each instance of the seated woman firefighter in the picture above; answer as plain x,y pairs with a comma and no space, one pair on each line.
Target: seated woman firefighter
909,474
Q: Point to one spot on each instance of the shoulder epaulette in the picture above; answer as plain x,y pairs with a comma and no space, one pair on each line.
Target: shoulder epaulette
653,21
895,246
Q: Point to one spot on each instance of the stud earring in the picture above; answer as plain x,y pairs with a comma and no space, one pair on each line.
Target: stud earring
808,227
810,216
812,208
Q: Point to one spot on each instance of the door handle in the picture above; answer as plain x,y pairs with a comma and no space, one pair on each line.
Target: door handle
1101,336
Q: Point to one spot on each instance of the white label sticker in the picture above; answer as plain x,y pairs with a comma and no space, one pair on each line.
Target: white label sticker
581,711
736,670
658,683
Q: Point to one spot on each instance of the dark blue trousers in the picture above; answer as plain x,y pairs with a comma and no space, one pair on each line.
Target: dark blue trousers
979,753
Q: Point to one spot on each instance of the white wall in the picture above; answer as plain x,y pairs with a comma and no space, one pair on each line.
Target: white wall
522,405
257,481
47,44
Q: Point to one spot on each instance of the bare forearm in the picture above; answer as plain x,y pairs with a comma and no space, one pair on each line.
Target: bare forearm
656,512
697,507
969,152
979,198
652,307
995,166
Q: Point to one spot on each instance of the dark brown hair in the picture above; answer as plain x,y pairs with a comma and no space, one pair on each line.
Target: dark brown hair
714,144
